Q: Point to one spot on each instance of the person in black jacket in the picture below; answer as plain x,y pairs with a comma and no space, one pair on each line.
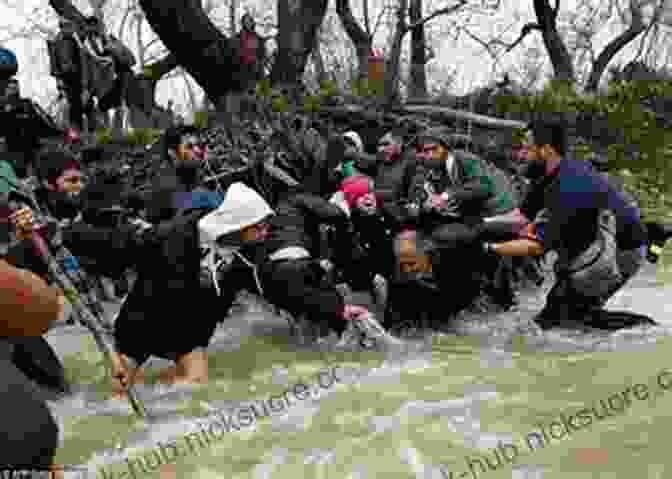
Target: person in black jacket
283,265
22,124
62,185
366,257
598,236
167,258
427,276
69,67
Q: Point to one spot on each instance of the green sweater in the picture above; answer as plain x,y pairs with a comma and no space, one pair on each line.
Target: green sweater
482,189
8,180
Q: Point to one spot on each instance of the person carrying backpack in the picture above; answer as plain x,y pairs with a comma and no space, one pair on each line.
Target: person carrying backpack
599,237
70,68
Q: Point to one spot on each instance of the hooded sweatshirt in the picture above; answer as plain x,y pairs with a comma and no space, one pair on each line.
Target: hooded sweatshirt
356,139
286,281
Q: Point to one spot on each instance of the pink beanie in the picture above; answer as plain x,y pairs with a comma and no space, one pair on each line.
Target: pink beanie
355,187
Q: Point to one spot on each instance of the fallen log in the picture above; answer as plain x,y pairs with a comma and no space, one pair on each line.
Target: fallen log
443,113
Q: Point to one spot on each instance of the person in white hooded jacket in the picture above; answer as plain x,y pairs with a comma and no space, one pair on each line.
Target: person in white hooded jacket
272,253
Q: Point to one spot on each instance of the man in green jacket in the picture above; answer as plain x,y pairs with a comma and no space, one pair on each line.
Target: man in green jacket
8,179
455,185
453,195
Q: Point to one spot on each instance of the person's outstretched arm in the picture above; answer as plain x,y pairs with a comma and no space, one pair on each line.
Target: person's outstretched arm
27,304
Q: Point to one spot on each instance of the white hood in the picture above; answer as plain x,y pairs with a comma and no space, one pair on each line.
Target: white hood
242,206
354,136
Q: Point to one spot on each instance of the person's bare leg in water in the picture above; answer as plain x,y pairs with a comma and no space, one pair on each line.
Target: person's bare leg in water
190,368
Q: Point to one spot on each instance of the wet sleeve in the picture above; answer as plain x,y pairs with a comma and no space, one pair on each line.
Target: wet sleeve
114,250
321,209
233,279
294,292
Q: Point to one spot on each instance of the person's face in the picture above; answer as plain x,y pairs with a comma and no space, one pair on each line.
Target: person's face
410,261
250,233
71,182
189,149
248,24
367,204
535,158
388,147
432,151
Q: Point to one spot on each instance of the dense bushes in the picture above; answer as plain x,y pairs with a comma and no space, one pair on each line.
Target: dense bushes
625,120
136,137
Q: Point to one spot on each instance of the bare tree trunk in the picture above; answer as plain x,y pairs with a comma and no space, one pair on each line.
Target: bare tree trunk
66,9
98,8
637,27
299,21
360,38
394,60
418,83
196,43
138,35
193,105
563,67
233,15
318,60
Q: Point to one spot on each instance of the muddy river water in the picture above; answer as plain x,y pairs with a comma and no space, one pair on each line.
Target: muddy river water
492,399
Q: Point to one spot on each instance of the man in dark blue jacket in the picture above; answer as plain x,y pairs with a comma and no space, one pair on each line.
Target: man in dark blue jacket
599,237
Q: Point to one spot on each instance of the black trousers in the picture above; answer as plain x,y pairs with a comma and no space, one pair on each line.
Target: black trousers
29,435
297,286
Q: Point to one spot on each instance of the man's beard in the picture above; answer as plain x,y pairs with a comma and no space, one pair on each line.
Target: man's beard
187,171
534,169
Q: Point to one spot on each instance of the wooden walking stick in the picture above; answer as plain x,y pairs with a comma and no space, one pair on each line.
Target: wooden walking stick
87,317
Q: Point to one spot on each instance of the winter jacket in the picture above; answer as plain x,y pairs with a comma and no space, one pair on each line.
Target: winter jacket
480,190
168,288
291,284
393,183
297,219
453,285
23,254
565,208
366,250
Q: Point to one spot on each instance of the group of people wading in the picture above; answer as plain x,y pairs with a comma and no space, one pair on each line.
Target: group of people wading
415,233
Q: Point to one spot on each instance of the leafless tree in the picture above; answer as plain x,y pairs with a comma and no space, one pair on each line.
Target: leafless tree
402,28
634,15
